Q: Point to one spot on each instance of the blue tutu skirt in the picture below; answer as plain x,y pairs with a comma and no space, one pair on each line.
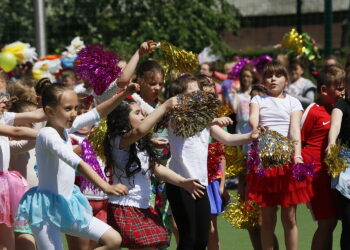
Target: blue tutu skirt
216,204
38,207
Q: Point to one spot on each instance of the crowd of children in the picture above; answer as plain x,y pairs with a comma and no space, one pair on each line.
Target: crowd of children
53,181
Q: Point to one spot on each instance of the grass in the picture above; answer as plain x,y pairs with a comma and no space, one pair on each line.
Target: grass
232,238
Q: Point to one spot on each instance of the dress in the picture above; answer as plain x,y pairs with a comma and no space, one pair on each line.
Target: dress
277,186
12,184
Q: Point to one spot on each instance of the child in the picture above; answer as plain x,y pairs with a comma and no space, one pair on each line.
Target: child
282,113
56,204
189,159
340,121
301,88
314,137
132,159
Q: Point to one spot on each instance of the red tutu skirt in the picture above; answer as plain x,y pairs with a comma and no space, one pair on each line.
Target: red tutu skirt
277,187
12,187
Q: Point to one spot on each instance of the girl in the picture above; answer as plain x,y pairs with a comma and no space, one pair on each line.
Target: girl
132,160
56,204
340,121
282,113
96,197
189,159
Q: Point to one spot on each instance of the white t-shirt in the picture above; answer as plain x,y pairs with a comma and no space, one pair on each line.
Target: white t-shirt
55,157
189,155
275,112
7,118
139,184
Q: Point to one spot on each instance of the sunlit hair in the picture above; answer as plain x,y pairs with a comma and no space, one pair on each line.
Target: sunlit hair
52,94
330,75
274,68
148,69
185,80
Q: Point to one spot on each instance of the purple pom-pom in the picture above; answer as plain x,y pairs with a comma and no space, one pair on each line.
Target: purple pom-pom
234,73
259,62
301,170
98,67
253,160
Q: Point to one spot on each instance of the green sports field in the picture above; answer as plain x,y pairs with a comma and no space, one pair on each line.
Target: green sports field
232,238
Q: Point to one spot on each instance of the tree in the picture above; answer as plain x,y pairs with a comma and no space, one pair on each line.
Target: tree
122,25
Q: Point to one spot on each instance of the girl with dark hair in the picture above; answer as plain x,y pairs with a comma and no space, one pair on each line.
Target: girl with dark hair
132,161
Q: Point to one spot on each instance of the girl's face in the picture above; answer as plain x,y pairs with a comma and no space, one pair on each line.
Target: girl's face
205,70
152,87
135,115
191,87
247,78
296,73
64,114
275,83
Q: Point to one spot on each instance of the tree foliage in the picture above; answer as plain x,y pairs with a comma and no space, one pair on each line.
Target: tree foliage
123,24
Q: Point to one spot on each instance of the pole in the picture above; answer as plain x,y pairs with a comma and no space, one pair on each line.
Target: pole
40,30
299,16
328,20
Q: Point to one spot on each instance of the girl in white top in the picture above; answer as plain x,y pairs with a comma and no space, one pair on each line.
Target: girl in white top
282,113
189,159
56,204
132,160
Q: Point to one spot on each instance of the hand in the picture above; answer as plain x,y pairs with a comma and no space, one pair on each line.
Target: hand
159,142
298,160
255,134
193,187
222,121
328,149
131,88
171,103
118,190
147,47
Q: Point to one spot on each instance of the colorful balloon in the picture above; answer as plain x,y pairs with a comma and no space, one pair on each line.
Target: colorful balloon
7,61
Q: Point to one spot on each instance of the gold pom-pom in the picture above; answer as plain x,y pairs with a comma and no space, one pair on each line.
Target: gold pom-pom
242,214
293,41
235,161
274,149
224,111
179,59
97,137
336,164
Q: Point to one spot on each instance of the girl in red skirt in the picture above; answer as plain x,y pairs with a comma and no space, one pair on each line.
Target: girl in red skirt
130,155
282,113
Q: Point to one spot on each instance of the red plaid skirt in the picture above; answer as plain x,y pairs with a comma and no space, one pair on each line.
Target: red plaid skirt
139,228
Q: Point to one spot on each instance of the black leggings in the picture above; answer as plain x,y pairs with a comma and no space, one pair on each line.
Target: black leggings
192,218
345,219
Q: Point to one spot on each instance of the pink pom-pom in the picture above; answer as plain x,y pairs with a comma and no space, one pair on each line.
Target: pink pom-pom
301,170
234,73
98,67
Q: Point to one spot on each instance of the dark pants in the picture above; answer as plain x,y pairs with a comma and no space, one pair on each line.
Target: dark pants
345,219
192,218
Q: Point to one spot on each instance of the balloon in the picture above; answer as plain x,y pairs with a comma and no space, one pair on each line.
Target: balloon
7,61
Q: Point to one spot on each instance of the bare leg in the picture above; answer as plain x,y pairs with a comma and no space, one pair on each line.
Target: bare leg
289,222
25,241
7,238
111,239
268,224
323,237
254,235
77,243
213,240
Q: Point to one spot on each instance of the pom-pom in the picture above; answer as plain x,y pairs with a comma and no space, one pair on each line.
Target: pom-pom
194,112
179,59
75,46
259,62
235,161
224,111
242,214
23,52
98,67
274,149
97,137
336,160
234,73
215,155
301,170
46,68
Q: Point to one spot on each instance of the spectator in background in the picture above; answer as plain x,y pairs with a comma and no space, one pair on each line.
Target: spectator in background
208,69
330,60
231,62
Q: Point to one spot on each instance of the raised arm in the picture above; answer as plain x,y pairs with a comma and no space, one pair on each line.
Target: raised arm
294,134
336,119
129,69
147,124
18,133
